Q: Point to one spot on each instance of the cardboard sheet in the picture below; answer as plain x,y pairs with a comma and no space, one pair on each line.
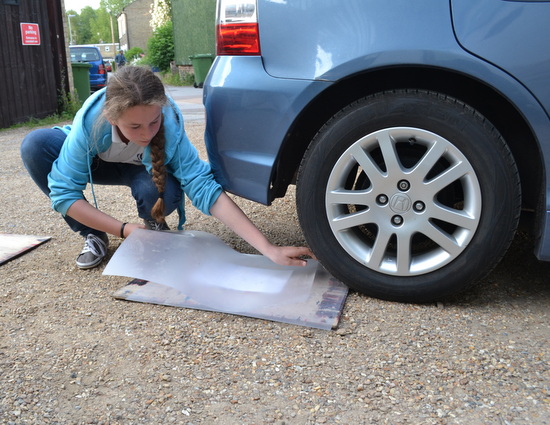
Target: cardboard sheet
197,270
12,246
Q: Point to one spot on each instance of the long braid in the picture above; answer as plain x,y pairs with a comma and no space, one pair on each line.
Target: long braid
159,173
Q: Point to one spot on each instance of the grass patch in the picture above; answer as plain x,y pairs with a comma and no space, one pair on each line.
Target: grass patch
52,120
178,79
68,105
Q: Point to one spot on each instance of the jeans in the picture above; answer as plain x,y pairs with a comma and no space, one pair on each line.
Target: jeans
40,149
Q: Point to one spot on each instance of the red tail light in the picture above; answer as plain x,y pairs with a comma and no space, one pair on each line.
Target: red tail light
237,30
101,69
238,39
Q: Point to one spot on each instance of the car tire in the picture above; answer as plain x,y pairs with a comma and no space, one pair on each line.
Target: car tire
408,196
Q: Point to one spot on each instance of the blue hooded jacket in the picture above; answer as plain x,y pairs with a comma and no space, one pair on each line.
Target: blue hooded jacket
71,171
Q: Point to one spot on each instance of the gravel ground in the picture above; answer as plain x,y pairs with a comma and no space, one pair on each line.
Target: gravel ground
72,354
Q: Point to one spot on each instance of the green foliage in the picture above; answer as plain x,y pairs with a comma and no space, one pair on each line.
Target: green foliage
68,107
142,61
134,53
93,26
161,13
179,79
100,26
51,121
161,47
114,6
84,34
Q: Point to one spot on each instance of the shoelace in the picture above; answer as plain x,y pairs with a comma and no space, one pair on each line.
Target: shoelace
156,226
95,245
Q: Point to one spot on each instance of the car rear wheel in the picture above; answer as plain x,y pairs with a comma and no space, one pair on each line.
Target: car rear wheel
408,196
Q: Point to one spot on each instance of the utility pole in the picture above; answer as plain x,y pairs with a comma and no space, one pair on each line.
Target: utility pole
112,32
112,29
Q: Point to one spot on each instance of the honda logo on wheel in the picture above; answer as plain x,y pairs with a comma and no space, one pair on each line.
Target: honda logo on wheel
400,203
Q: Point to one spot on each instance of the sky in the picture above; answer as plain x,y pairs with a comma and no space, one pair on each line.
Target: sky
79,4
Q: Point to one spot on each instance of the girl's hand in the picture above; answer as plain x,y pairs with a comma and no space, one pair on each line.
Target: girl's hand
233,217
130,227
288,255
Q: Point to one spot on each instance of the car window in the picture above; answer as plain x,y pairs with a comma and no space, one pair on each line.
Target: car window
84,55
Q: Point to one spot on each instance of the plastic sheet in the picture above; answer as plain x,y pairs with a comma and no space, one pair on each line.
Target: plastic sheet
204,268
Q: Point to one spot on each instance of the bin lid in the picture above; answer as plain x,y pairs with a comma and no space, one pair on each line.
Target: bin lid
81,65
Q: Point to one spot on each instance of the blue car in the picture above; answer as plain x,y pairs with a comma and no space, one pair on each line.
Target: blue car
91,55
417,132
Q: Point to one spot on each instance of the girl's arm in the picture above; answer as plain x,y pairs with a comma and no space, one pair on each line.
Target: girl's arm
225,210
85,213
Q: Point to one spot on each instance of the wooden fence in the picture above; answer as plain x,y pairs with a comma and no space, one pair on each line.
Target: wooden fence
33,60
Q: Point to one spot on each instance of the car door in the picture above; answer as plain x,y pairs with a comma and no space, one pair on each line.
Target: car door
513,35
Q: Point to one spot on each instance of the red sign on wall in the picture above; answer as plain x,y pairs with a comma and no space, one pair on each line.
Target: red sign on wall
30,34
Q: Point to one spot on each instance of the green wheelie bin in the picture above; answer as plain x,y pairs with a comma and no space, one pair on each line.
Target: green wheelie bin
81,79
201,66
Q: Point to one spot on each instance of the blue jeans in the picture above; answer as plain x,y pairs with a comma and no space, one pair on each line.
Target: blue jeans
40,149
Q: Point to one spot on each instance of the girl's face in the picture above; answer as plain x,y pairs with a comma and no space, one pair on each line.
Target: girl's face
139,124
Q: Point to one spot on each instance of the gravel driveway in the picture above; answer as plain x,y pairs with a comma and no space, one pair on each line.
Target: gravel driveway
72,354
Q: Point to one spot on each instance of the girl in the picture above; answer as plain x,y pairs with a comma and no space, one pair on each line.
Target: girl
132,134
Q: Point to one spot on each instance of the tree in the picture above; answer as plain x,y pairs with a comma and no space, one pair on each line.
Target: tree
161,47
83,33
161,13
100,27
93,26
134,53
114,6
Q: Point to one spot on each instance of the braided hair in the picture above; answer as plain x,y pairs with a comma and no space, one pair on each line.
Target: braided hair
134,86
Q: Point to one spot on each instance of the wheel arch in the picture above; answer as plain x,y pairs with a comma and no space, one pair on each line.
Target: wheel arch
487,100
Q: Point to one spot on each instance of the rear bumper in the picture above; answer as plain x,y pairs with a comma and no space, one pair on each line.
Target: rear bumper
249,114
97,82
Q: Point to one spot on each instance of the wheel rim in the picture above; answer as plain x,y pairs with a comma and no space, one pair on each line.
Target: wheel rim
403,201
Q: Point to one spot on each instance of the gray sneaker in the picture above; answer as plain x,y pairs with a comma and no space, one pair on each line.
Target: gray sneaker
94,251
153,225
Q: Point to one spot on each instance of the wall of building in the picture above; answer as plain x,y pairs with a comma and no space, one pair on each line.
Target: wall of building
133,25
108,50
